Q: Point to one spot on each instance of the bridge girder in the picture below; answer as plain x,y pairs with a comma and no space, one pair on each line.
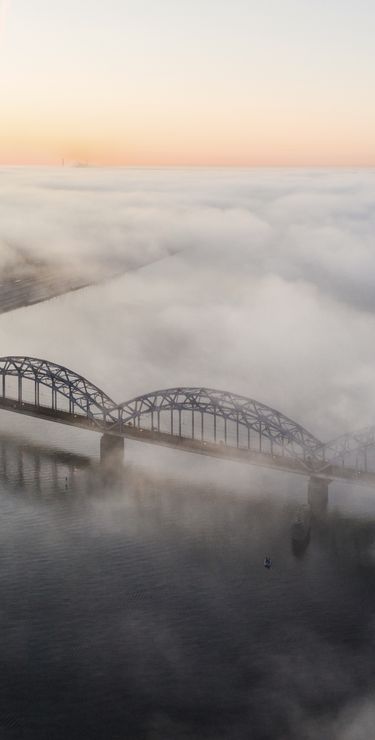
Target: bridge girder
246,413
349,445
267,422
79,391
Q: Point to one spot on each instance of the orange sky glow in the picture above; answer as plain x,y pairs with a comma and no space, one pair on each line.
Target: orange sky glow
154,86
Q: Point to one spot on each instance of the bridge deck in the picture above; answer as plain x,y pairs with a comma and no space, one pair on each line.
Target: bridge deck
261,459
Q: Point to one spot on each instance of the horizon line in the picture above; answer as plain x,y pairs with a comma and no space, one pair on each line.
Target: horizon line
78,166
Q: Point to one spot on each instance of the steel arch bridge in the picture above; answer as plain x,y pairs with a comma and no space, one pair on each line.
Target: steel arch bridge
81,397
200,420
197,412
354,449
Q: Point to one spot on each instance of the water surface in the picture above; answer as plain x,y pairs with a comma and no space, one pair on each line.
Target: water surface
140,608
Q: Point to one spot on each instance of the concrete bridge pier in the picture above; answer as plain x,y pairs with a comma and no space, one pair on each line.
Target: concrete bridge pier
111,451
317,495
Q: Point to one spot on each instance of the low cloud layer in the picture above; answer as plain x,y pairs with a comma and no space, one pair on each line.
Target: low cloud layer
263,284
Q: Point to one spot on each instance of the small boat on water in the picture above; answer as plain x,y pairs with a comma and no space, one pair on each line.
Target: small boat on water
267,562
301,526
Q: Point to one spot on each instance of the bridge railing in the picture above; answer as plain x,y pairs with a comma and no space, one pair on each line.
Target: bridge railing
354,450
220,418
204,415
38,383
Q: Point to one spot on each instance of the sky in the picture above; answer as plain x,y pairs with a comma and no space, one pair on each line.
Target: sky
257,282
193,82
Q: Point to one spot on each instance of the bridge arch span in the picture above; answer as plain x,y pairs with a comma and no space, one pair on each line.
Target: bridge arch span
217,416
353,449
67,391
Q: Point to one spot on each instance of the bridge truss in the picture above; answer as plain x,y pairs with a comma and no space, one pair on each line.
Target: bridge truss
354,449
196,417
214,416
67,391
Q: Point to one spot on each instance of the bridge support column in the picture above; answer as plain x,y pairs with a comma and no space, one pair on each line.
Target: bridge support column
112,451
317,494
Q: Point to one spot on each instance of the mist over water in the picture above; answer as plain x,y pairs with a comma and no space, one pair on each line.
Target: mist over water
269,292
140,608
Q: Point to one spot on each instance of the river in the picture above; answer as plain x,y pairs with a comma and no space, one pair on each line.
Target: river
140,607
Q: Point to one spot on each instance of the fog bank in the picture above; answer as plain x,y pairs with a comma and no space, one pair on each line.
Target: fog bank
263,284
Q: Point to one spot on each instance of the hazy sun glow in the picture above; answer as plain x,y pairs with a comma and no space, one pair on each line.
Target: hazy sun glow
193,83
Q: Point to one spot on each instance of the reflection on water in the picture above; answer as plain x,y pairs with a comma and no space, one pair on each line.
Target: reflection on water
141,608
